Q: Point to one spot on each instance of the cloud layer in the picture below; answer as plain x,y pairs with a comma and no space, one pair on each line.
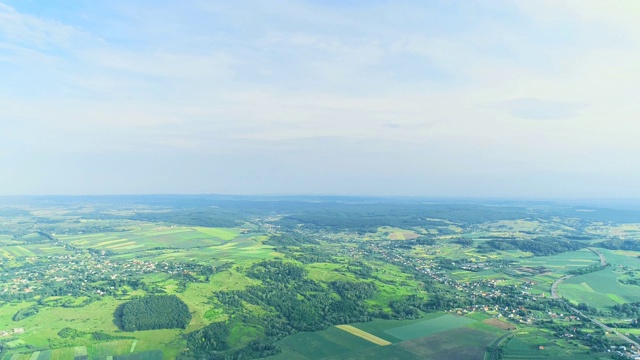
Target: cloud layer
404,98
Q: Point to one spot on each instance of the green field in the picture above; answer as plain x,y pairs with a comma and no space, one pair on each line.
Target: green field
620,257
343,264
436,337
526,345
600,289
153,236
563,263
177,244
429,326
321,344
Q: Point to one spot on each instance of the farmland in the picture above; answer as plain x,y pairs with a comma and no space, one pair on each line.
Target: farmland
600,289
442,341
312,280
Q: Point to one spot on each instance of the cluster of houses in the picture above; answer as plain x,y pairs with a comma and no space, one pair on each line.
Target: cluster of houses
14,331
77,268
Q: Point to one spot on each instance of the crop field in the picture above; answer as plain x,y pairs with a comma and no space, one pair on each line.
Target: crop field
10,252
364,335
513,225
182,244
429,326
105,351
432,342
564,262
8,240
102,350
390,233
599,289
620,257
466,276
151,236
321,344
147,355
460,343
240,248
15,251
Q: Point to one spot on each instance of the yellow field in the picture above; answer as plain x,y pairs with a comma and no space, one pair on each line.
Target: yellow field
363,334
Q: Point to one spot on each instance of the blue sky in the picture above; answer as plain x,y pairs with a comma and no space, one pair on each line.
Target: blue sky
436,98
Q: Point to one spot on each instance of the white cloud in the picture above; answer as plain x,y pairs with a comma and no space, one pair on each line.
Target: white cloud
33,30
291,85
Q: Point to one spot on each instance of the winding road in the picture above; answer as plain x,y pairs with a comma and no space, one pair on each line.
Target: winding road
603,261
554,286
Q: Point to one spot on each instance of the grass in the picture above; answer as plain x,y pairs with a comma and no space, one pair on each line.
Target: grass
41,329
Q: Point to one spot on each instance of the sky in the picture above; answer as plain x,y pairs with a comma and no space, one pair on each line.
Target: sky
526,99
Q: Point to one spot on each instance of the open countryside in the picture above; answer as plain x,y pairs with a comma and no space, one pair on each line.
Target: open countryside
339,280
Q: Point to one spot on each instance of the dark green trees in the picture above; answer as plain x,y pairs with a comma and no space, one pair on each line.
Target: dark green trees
155,312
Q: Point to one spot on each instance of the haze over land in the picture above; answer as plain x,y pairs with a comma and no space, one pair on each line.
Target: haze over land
501,98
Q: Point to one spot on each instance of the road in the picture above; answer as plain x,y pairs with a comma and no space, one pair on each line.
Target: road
554,295
605,327
554,287
497,343
603,261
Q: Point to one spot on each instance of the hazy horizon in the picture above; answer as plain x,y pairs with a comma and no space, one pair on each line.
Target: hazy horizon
491,99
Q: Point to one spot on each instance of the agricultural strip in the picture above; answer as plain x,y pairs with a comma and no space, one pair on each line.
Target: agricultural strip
110,242
120,245
363,334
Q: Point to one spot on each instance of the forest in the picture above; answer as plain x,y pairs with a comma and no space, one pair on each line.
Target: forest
154,312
